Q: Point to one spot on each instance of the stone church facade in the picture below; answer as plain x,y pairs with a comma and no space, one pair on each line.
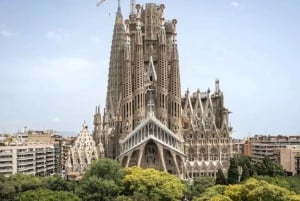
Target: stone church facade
147,122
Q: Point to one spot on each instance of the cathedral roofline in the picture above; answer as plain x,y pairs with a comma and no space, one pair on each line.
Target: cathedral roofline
157,122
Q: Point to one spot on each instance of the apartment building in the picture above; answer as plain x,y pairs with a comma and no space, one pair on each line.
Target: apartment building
289,158
259,146
30,158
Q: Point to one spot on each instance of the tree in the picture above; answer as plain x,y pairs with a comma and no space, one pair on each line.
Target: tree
220,177
95,188
214,191
152,184
233,172
47,195
244,161
201,184
250,190
245,173
101,181
269,168
56,183
7,191
106,169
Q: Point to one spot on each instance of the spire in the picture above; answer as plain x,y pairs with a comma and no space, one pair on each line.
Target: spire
162,36
162,18
174,39
119,7
217,85
114,86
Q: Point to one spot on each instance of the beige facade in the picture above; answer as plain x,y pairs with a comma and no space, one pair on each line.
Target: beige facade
259,146
83,152
146,121
32,158
289,158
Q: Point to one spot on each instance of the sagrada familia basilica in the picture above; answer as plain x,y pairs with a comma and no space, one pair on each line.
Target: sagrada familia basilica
147,122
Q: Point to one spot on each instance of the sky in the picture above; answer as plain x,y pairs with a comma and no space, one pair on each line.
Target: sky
54,57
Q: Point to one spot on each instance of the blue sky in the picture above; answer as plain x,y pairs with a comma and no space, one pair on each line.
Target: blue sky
54,60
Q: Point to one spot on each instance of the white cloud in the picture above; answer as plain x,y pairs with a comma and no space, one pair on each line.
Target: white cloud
4,32
58,35
235,4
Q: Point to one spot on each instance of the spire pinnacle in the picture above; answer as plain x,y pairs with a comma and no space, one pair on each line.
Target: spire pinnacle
138,16
174,22
127,31
119,6
162,18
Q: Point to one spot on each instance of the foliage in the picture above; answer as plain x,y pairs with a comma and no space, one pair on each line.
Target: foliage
152,184
106,169
292,182
233,172
220,177
234,192
57,183
211,192
245,173
101,181
269,168
123,198
95,188
47,195
201,184
244,161
250,190
7,191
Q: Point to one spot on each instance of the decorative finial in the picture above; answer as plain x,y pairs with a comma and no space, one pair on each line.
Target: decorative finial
174,22
162,18
84,125
138,16
127,31
217,84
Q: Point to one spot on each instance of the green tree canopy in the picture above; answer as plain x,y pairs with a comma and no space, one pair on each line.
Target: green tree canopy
220,177
245,173
95,188
269,168
233,172
57,183
152,184
214,191
200,184
105,169
47,195
250,190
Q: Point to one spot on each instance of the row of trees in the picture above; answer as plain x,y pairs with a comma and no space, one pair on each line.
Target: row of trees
106,180
241,169
250,190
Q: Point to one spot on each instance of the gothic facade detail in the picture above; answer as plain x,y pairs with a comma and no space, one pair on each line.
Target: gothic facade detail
83,152
146,121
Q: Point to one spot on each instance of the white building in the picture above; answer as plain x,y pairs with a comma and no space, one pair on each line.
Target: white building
31,158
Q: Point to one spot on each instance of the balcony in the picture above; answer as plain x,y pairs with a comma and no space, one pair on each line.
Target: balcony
25,163
6,170
5,154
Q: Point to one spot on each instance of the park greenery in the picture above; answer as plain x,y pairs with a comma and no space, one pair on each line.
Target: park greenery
105,180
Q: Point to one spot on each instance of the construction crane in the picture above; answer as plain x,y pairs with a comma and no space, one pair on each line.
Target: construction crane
100,2
132,5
